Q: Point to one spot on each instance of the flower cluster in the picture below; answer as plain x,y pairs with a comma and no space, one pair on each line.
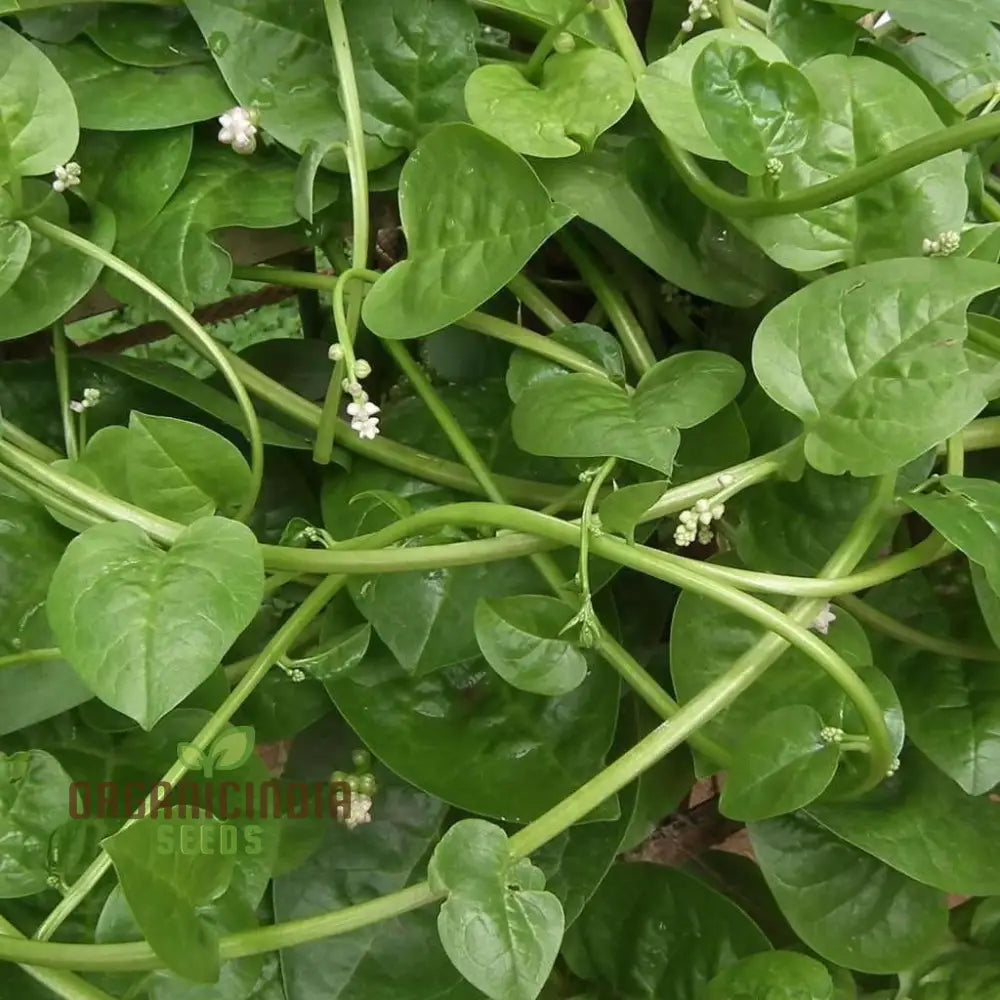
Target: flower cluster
945,245
698,10
831,734
67,177
696,523
363,789
91,397
822,622
360,409
239,129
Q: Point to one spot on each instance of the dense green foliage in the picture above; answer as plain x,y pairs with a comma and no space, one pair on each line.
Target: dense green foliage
642,431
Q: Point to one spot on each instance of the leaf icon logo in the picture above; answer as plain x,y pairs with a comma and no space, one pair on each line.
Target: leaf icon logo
230,751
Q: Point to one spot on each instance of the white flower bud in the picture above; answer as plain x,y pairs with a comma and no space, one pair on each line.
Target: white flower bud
564,43
336,353
687,26
822,622
726,479
362,369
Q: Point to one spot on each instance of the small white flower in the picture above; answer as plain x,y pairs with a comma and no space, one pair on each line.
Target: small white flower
775,167
76,406
362,369
67,176
336,353
91,397
687,26
726,479
364,409
823,621
944,246
361,811
239,129
352,388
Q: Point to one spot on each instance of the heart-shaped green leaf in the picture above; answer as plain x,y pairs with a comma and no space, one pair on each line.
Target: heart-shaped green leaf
34,802
183,471
144,628
772,974
968,515
827,889
522,640
807,29
781,764
866,111
753,110
621,510
667,92
38,122
498,927
474,213
583,416
874,361
232,749
15,242
592,342
580,95
114,97
166,875
54,277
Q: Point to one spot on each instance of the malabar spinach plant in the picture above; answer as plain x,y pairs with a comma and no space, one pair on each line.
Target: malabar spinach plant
640,440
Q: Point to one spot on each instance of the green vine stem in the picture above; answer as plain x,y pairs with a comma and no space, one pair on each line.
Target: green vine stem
818,195
624,320
26,656
613,652
532,532
357,166
752,14
533,298
189,329
533,69
61,356
904,633
727,14
138,956
65,985
279,644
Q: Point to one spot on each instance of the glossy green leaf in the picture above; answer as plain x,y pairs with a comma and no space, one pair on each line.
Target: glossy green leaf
165,875
780,764
219,189
961,23
54,277
339,655
828,890
38,121
667,88
411,60
599,189
544,14
591,341
920,823
15,244
522,640
867,109
398,957
583,416
426,618
183,471
654,933
113,97
808,29
622,510
753,110
35,801
771,975
498,927
30,548
278,58
579,96
795,527
706,639
967,513
529,752
827,353
466,244
143,627
154,37
133,173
